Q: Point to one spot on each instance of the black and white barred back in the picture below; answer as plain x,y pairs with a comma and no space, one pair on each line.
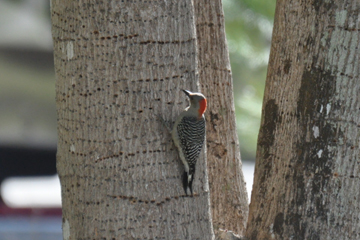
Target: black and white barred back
191,131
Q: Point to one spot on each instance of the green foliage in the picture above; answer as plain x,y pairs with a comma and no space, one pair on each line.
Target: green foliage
248,30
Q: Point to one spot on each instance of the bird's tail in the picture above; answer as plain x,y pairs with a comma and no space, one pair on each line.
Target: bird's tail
187,182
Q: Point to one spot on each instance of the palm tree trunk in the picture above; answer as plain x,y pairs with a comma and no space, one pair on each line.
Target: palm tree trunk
306,182
229,199
118,65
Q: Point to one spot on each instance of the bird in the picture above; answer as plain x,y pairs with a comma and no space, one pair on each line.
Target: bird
188,134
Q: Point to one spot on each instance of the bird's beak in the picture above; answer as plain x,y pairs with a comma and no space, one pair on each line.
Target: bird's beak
188,93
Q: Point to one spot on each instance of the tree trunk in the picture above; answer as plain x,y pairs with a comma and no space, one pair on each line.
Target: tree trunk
229,201
119,64
306,182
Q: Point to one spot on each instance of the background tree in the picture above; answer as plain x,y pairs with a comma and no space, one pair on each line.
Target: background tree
306,178
229,200
118,64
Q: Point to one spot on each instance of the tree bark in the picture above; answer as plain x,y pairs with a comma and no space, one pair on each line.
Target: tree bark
306,182
229,201
118,65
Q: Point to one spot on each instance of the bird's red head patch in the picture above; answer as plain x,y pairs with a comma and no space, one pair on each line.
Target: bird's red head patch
202,107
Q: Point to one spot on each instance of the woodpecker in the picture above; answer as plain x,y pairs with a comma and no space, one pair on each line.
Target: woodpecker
188,134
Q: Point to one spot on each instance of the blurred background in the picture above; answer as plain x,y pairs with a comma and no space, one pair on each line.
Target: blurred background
30,204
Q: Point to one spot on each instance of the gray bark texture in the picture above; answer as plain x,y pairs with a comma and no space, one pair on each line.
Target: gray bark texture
229,201
307,170
118,65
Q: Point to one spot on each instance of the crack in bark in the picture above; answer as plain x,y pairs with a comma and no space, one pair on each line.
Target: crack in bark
160,202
